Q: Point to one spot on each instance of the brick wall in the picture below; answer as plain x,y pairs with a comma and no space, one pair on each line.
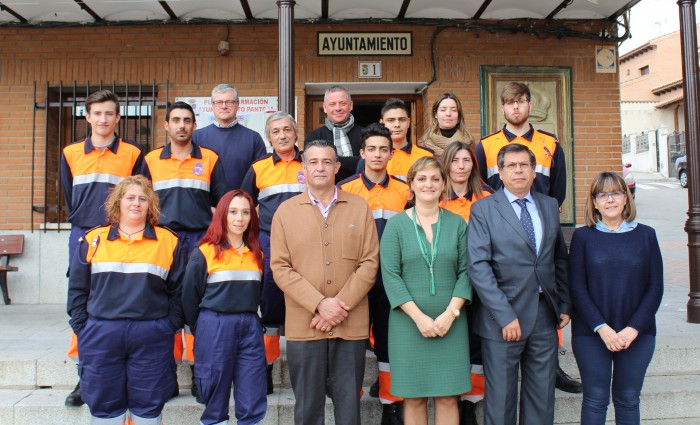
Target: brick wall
185,56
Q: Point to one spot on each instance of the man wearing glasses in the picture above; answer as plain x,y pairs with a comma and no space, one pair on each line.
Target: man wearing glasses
517,264
550,167
237,146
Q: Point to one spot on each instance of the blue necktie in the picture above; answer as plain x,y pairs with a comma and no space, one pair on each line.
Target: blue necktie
526,222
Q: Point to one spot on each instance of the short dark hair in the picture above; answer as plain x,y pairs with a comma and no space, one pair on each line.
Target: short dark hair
101,96
179,105
514,148
394,103
319,143
376,129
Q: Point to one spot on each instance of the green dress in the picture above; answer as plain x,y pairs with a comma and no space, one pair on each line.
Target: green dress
426,367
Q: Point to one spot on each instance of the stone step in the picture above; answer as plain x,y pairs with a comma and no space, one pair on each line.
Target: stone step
31,369
666,400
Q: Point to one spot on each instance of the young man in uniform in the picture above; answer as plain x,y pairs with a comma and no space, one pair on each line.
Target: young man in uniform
189,180
271,181
386,196
516,104
395,118
90,168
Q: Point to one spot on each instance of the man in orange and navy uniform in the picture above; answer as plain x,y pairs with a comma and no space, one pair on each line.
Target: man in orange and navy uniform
550,169
271,181
189,180
387,196
395,118
90,168
516,104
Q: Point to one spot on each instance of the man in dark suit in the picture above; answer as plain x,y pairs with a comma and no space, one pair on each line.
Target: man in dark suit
517,264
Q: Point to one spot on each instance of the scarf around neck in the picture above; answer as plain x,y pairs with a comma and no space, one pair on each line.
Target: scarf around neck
340,135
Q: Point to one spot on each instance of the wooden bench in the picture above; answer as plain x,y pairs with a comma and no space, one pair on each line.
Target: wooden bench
9,245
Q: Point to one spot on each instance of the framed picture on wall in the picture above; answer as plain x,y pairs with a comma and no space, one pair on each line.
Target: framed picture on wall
550,89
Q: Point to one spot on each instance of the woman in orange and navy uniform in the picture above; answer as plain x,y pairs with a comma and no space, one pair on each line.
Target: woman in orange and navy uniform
464,187
221,296
124,302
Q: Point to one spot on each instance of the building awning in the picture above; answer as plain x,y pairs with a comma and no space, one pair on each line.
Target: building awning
82,12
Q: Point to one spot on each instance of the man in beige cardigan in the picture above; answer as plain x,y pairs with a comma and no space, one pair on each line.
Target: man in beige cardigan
325,253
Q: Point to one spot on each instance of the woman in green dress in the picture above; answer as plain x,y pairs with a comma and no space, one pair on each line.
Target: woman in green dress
424,268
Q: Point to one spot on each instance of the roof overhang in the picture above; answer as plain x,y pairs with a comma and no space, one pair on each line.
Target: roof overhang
111,12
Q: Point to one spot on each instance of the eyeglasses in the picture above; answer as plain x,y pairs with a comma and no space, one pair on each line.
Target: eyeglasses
604,196
512,166
220,103
521,102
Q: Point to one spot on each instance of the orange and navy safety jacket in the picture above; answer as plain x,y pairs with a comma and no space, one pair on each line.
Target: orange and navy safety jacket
187,189
271,181
550,168
88,174
385,199
228,284
404,158
462,206
117,278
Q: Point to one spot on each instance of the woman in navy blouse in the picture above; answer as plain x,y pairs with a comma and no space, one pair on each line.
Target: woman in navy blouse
616,281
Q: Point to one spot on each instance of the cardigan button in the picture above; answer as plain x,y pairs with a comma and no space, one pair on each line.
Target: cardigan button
329,281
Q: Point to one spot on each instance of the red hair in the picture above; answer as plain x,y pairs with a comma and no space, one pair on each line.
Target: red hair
217,233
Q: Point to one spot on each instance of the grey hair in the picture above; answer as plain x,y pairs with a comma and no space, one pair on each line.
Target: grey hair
224,88
279,115
335,89
319,143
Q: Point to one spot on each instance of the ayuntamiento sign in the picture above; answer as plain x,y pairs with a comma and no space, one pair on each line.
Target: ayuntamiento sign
365,43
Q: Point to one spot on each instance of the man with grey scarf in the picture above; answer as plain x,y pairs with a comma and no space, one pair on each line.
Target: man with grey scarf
340,129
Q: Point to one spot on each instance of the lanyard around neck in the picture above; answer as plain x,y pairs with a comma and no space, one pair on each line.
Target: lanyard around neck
422,244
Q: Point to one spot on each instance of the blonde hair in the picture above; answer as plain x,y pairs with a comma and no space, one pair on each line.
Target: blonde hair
608,182
421,164
113,203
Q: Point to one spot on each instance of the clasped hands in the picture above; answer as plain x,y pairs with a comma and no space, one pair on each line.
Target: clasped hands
439,327
617,341
330,312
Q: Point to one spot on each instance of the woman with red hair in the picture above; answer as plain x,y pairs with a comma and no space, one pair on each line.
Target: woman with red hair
220,297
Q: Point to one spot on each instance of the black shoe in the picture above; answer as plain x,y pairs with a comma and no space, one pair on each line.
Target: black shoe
74,399
392,414
270,384
374,389
194,389
467,413
566,383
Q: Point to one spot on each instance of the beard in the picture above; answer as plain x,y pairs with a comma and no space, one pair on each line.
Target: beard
518,120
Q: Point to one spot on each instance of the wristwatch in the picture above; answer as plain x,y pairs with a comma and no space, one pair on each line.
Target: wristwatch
453,310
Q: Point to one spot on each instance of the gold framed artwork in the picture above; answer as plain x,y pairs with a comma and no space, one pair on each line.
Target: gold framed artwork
550,89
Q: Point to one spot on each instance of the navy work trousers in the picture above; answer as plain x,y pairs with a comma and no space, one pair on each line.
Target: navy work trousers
126,365
229,349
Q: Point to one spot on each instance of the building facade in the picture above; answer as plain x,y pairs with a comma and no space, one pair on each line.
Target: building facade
45,72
